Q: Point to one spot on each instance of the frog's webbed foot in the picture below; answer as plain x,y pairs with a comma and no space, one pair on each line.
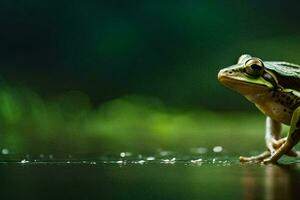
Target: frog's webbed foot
272,145
266,157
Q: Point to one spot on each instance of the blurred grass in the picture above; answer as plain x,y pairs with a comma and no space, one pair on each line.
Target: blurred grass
69,123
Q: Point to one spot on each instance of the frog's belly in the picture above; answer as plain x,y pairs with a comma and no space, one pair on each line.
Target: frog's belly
276,111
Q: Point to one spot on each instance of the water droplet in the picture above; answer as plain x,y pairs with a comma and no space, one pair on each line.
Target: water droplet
24,161
122,154
150,158
5,151
125,154
169,161
141,162
196,161
218,149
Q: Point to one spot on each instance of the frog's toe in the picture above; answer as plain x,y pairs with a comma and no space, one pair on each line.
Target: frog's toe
266,161
257,158
244,159
250,159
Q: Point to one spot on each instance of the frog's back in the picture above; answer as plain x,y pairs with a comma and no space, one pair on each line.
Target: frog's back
288,74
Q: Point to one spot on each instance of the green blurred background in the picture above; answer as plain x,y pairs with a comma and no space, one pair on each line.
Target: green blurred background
91,77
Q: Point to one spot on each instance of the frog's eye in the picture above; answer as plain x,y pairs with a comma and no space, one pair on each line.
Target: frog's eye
254,67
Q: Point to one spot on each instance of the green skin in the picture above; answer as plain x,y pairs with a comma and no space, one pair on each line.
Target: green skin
260,85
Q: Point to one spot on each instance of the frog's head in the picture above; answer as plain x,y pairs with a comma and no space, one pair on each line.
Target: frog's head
249,76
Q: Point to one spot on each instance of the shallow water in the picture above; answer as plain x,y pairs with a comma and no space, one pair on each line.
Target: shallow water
159,176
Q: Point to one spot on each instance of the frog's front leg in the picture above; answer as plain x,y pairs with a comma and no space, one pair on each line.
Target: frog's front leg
292,138
272,133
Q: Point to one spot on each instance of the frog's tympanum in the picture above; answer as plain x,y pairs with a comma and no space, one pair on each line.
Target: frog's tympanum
274,88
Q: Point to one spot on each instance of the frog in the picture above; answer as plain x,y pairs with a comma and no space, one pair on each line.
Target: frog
274,88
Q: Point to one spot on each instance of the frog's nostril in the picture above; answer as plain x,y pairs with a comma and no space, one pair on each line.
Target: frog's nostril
230,72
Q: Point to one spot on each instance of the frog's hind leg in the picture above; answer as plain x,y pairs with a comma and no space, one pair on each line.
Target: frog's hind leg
292,139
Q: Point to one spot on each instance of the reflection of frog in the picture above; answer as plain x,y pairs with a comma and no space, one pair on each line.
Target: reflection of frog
274,87
264,183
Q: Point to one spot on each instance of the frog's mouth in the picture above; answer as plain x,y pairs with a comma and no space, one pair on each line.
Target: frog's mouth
241,86
234,81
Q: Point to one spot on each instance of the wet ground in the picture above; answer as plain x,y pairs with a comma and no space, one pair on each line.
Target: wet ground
163,175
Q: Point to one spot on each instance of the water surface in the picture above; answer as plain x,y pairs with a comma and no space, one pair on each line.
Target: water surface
164,176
